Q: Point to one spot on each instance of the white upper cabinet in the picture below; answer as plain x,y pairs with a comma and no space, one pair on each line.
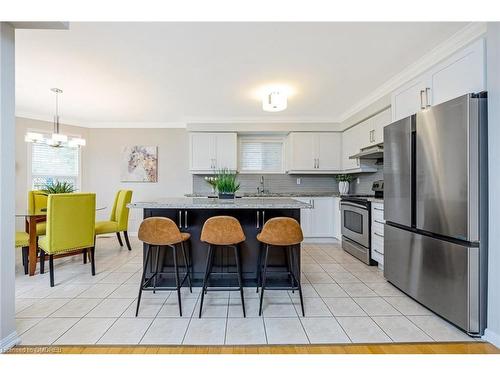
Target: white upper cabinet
314,152
460,74
211,151
379,122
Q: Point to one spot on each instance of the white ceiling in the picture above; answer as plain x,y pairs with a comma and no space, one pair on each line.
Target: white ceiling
174,73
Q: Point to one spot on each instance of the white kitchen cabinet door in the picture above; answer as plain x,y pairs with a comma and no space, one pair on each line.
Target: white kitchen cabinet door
202,151
337,220
226,146
462,73
350,146
302,151
380,121
322,217
329,147
411,98
305,217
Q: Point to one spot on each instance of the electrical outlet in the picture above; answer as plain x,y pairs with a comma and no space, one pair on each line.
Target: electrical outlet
299,181
357,180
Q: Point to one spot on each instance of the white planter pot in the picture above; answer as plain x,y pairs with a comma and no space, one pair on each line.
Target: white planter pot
343,187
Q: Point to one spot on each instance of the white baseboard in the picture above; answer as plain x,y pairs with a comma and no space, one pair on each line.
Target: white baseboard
320,240
491,337
9,342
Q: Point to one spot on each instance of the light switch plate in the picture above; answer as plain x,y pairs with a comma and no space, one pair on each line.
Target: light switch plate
357,180
299,181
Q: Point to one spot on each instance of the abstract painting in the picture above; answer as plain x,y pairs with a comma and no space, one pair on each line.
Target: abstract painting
139,164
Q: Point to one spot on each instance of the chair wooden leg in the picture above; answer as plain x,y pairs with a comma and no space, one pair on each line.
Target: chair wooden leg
125,234
92,260
119,238
42,261
51,269
25,252
84,252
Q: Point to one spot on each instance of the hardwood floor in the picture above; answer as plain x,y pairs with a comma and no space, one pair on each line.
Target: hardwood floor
428,348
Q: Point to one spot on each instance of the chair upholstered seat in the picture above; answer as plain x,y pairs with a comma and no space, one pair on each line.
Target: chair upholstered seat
22,239
106,226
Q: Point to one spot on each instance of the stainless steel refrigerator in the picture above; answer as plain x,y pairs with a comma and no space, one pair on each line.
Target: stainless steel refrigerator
435,207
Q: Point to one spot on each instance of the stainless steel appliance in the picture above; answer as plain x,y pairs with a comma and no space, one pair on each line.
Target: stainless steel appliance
355,213
435,208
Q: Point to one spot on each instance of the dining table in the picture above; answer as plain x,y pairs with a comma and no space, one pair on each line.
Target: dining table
32,218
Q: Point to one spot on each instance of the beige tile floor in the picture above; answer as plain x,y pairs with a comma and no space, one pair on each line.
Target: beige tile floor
345,301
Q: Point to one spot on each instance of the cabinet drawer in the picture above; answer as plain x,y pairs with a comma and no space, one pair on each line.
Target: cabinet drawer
377,256
378,242
378,214
378,227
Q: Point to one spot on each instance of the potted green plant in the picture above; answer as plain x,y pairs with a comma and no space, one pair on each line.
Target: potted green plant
58,187
344,180
226,184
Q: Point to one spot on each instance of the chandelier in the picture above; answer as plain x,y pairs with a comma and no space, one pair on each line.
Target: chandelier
56,139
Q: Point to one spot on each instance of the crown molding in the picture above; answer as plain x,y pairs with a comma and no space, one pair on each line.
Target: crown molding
460,39
45,118
136,125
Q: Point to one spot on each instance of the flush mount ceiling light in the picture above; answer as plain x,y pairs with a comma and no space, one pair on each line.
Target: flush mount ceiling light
274,101
57,139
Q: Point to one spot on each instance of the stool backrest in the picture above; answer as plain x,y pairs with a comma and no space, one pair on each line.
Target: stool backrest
222,230
281,231
159,231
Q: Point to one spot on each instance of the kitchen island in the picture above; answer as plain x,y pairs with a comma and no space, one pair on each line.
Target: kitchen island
191,213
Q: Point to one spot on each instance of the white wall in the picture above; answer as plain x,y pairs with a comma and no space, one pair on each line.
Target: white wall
8,336
102,166
493,82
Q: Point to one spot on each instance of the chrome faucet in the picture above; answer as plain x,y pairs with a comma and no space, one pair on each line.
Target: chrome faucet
260,189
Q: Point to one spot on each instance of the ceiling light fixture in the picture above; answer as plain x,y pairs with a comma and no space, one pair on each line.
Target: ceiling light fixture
57,139
274,101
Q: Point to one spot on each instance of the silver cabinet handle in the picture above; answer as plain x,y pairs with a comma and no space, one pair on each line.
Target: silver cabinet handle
185,219
311,202
378,209
378,221
318,163
263,217
180,219
427,92
258,220
422,106
378,234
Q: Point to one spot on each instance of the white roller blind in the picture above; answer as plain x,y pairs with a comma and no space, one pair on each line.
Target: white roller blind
261,156
50,164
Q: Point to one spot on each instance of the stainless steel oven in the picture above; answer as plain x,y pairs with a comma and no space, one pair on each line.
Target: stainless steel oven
355,218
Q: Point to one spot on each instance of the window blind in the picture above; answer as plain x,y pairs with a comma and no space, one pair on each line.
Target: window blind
261,156
51,164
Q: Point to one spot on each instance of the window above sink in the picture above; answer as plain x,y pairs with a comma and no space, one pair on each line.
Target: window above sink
261,154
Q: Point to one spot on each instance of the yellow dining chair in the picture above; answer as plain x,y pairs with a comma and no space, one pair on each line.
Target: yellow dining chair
70,228
118,221
37,201
23,241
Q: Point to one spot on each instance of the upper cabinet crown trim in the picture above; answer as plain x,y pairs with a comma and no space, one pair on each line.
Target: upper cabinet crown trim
459,40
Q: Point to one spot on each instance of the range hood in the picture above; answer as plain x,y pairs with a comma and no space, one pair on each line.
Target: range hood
371,152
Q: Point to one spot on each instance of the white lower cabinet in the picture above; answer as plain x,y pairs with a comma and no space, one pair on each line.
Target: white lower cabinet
377,234
318,221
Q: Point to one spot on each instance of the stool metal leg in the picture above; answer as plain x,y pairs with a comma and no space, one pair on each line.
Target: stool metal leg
259,268
205,278
294,268
289,265
177,283
186,266
144,268
263,286
157,266
240,281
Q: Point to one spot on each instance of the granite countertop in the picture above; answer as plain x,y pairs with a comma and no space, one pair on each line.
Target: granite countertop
238,203
271,195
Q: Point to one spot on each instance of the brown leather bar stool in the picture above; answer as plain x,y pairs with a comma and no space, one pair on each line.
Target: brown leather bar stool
219,232
282,232
162,232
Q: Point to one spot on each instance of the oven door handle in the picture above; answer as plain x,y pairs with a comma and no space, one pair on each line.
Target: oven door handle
353,205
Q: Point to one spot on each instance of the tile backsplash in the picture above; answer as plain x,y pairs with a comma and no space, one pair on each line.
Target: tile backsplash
275,183
285,183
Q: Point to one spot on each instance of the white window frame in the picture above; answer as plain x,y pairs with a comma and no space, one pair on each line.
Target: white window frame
263,138
29,165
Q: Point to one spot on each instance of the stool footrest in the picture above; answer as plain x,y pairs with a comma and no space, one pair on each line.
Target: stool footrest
222,289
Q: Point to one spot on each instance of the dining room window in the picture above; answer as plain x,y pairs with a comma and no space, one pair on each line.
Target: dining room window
51,164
